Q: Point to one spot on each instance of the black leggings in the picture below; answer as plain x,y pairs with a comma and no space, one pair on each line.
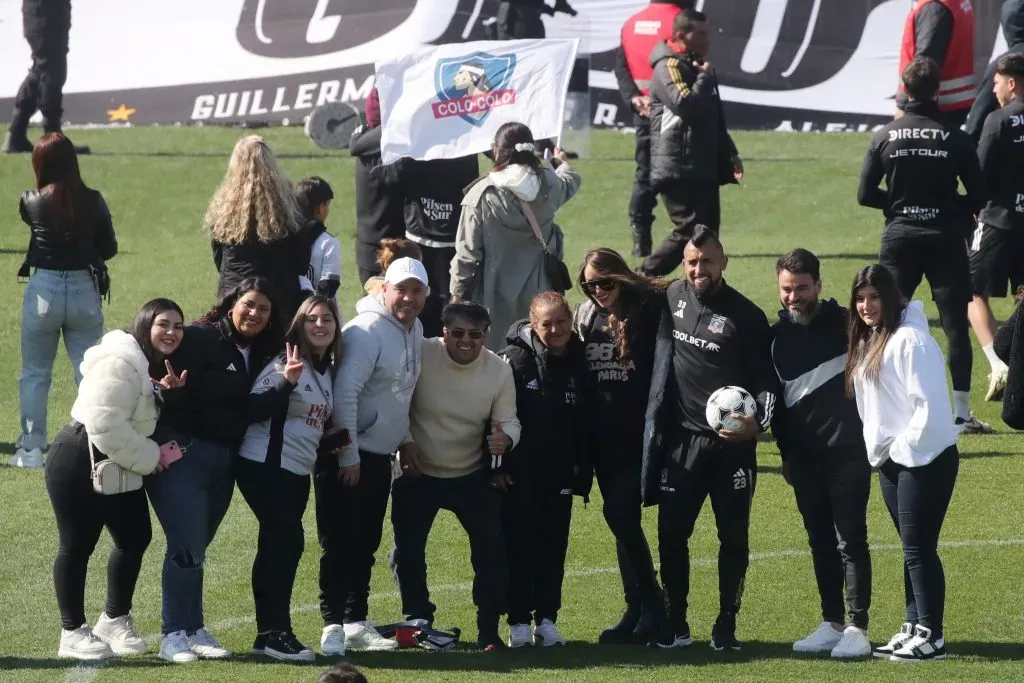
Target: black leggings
917,499
81,515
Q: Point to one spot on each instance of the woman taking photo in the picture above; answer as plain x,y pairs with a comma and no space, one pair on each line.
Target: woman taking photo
207,418
256,225
499,261
618,324
293,398
114,414
71,238
896,369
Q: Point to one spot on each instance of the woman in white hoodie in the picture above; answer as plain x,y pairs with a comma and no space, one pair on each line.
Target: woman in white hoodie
498,260
115,412
897,371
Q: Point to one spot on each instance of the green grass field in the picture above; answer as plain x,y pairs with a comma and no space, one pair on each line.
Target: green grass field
799,191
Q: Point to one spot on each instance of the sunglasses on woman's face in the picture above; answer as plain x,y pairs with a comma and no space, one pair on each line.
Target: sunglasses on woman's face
592,286
475,335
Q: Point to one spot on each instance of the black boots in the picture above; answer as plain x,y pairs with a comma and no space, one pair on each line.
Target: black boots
641,240
16,144
640,623
622,632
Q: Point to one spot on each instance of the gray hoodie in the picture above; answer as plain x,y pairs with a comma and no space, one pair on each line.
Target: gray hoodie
379,368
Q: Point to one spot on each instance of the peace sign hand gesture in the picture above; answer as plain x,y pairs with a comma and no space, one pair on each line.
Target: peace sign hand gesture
293,364
170,380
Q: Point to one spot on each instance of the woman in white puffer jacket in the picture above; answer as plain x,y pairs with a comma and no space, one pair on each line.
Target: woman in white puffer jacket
116,410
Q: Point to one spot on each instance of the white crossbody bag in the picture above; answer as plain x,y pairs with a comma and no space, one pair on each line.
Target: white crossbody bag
109,478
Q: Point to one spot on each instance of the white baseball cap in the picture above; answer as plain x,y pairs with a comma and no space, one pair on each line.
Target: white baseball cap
404,269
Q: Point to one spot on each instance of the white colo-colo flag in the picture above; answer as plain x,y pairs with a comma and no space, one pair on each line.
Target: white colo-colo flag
448,101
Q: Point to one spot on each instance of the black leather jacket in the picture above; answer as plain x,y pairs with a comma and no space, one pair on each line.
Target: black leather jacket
52,246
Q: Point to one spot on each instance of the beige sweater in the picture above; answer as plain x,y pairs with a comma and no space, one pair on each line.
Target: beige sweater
453,406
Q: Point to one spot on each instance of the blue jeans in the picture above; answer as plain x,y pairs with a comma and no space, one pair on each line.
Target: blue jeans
55,302
190,499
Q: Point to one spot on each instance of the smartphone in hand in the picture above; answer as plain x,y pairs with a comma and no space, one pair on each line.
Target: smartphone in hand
170,452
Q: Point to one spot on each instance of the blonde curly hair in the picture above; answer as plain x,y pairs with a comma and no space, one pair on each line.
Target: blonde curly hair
255,200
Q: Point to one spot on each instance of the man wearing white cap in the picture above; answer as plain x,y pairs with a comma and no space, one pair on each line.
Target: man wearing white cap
372,394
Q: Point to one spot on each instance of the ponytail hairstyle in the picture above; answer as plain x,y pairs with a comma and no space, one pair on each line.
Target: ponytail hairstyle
867,344
514,144
392,249
634,291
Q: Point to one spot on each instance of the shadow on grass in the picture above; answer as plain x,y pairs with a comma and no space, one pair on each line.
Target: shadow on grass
985,454
873,257
996,652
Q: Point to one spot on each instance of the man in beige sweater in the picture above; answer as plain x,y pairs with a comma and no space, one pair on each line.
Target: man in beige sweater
462,424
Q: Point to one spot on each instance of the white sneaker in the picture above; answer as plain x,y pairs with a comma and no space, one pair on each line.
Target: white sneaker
119,633
29,459
854,643
332,642
824,638
82,643
896,642
519,635
361,635
972,425
206,646
174,648
921,648
547,635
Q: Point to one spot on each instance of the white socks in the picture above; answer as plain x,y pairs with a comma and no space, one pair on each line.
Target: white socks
962,404
993,360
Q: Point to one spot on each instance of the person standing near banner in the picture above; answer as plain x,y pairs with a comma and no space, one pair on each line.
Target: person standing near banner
47,24
985,101
942,30
692,157
633,71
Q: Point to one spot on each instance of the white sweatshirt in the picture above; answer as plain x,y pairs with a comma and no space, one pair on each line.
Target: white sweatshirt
906,412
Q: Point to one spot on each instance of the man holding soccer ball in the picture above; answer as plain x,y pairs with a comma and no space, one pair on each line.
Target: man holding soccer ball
711,336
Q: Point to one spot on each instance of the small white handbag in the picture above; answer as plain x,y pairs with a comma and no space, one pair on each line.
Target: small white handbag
109,478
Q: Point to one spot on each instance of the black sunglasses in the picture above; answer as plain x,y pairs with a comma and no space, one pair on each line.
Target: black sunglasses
605,285
475,335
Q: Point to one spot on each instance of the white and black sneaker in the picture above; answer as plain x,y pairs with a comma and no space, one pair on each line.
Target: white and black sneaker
921,648
906,632
285,647
260,644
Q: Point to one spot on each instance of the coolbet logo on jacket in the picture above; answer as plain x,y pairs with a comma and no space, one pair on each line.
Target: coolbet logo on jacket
471,86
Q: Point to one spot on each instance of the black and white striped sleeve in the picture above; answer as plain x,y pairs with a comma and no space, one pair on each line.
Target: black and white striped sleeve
763,382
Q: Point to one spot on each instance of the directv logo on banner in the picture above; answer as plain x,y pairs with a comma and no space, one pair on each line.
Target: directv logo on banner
449,101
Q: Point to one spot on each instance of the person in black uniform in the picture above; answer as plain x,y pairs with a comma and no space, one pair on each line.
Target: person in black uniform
542,472
997,249
47,24
820,438
985,102
710,336
926,220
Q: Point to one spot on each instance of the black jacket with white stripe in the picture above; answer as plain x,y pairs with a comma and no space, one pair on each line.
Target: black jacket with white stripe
704,343
814,418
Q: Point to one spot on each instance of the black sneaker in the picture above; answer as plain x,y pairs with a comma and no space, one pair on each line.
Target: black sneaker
15,144
622,632
723,634
673,637
260,643
652,619
491,643
284,646
921,648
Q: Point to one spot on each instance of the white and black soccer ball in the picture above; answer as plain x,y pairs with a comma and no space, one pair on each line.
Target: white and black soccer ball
726,401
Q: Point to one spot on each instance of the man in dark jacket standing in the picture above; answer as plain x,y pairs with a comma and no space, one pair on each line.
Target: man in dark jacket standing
691,150
819,434
985,102
710,336
47,24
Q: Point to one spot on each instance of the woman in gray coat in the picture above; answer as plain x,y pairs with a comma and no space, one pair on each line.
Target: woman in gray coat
498,260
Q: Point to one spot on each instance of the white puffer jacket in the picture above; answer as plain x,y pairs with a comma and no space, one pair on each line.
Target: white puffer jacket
117,403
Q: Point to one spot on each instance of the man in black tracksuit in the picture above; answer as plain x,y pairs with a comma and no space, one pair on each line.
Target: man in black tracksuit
691,150
711,336
379,208
985,102
819,434
926,220
432,192
47,24
544,467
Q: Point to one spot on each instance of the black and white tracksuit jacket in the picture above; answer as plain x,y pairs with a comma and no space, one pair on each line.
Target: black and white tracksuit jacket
1001,154
704,343
814,417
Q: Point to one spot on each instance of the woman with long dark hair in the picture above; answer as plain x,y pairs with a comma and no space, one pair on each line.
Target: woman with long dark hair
72,237
294,396
896,369
114,416
618,324
499,261
222,354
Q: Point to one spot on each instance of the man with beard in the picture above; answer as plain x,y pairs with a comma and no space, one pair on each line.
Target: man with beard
820,438
710,336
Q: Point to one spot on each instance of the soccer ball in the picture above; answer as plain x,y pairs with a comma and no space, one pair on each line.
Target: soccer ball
726,401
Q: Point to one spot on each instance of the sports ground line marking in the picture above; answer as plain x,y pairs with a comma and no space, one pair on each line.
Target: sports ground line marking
87,673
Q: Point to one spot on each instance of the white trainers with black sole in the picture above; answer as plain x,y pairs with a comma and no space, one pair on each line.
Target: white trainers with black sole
547,635
921,648
906,632
520,635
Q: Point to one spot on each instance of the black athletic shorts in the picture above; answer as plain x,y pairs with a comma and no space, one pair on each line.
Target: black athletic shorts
942,258
996,256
